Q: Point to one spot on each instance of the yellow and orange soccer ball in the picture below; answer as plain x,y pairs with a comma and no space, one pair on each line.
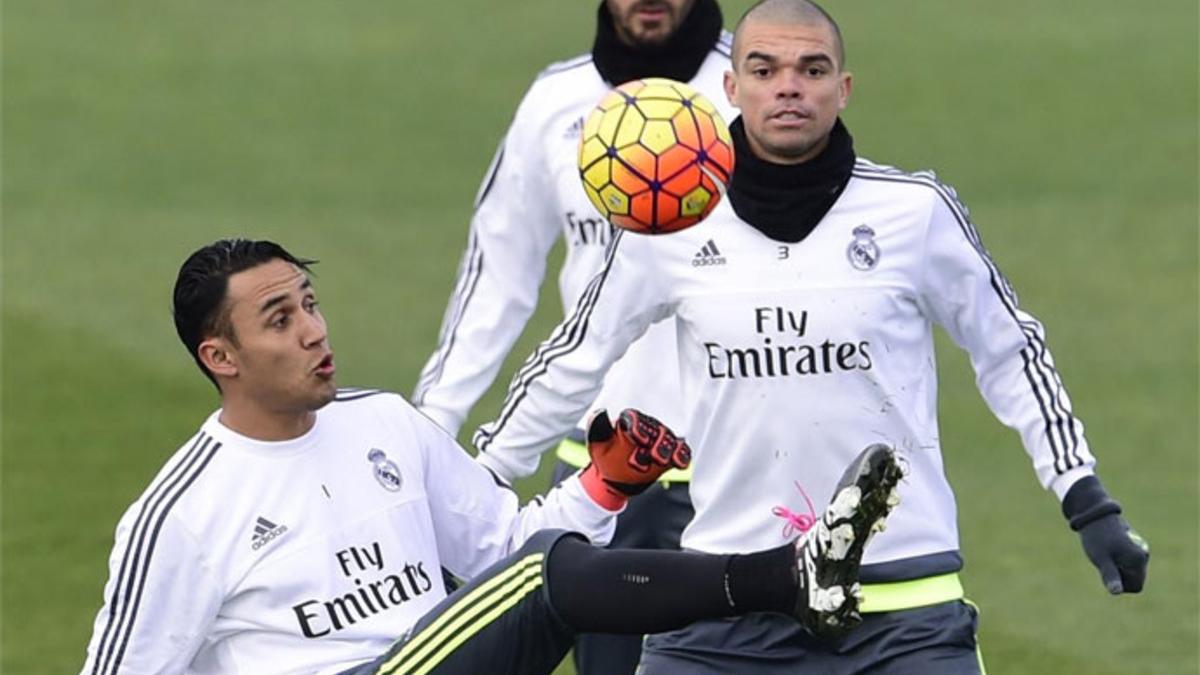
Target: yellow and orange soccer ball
655,156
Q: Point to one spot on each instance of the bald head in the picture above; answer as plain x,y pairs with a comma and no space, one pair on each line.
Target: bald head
787,79
789,13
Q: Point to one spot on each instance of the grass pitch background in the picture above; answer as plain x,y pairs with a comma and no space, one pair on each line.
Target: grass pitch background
357,132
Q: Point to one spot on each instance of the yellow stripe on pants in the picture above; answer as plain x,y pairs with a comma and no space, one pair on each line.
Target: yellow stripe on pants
465,610
481,623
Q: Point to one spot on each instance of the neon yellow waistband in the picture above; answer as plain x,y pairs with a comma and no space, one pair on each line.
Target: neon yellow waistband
575,453
910,594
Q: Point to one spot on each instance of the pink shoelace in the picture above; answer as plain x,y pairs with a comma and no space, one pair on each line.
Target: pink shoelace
796,523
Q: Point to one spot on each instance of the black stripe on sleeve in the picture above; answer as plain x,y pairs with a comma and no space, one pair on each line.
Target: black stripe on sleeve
134,563
472,270
103,650
1060,422
724,44
1046,384
174,497
566,338
490,177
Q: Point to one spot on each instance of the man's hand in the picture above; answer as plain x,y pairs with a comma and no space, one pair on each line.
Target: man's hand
628,458
1120,553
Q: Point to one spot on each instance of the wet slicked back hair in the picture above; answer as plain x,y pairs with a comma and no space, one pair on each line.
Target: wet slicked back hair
198,303
791,12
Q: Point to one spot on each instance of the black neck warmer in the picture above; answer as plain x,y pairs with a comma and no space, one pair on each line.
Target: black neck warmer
678,58
786,201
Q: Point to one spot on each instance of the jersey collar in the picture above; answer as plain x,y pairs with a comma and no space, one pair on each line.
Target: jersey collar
785,202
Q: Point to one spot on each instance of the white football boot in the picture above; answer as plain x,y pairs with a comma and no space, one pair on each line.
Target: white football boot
829,554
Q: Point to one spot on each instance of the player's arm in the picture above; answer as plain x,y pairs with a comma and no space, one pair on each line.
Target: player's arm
966,293
159,601
512,231
477,519
552,390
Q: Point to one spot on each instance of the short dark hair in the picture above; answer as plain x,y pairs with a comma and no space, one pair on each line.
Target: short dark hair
199,299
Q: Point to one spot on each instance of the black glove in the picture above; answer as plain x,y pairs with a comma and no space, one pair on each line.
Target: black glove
1120,553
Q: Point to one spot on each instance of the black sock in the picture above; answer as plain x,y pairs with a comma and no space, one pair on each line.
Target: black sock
641,591
763,581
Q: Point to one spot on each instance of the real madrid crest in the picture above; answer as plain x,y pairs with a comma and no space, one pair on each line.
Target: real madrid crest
386,471
863,252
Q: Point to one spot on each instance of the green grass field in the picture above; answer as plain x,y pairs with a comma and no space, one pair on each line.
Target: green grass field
356,132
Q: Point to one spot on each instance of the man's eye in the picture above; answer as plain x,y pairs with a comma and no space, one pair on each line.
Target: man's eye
280,321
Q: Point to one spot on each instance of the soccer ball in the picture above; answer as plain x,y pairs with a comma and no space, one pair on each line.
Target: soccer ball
655,156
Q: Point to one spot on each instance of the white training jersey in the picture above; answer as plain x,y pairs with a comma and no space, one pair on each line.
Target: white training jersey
796,356
531,194
310,555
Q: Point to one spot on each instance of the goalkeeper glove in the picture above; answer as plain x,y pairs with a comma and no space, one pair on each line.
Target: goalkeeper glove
628,459
1119,552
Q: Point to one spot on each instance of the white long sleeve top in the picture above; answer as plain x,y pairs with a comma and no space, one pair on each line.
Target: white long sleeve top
308,555
793,357
530,196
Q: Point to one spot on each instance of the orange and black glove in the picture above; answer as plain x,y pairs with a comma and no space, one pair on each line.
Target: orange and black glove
628,458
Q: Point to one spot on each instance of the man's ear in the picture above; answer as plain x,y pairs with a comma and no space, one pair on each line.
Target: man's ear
730,84
847,85
217,355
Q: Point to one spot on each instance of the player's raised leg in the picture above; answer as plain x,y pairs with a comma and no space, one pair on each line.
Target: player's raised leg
521,615
501,622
